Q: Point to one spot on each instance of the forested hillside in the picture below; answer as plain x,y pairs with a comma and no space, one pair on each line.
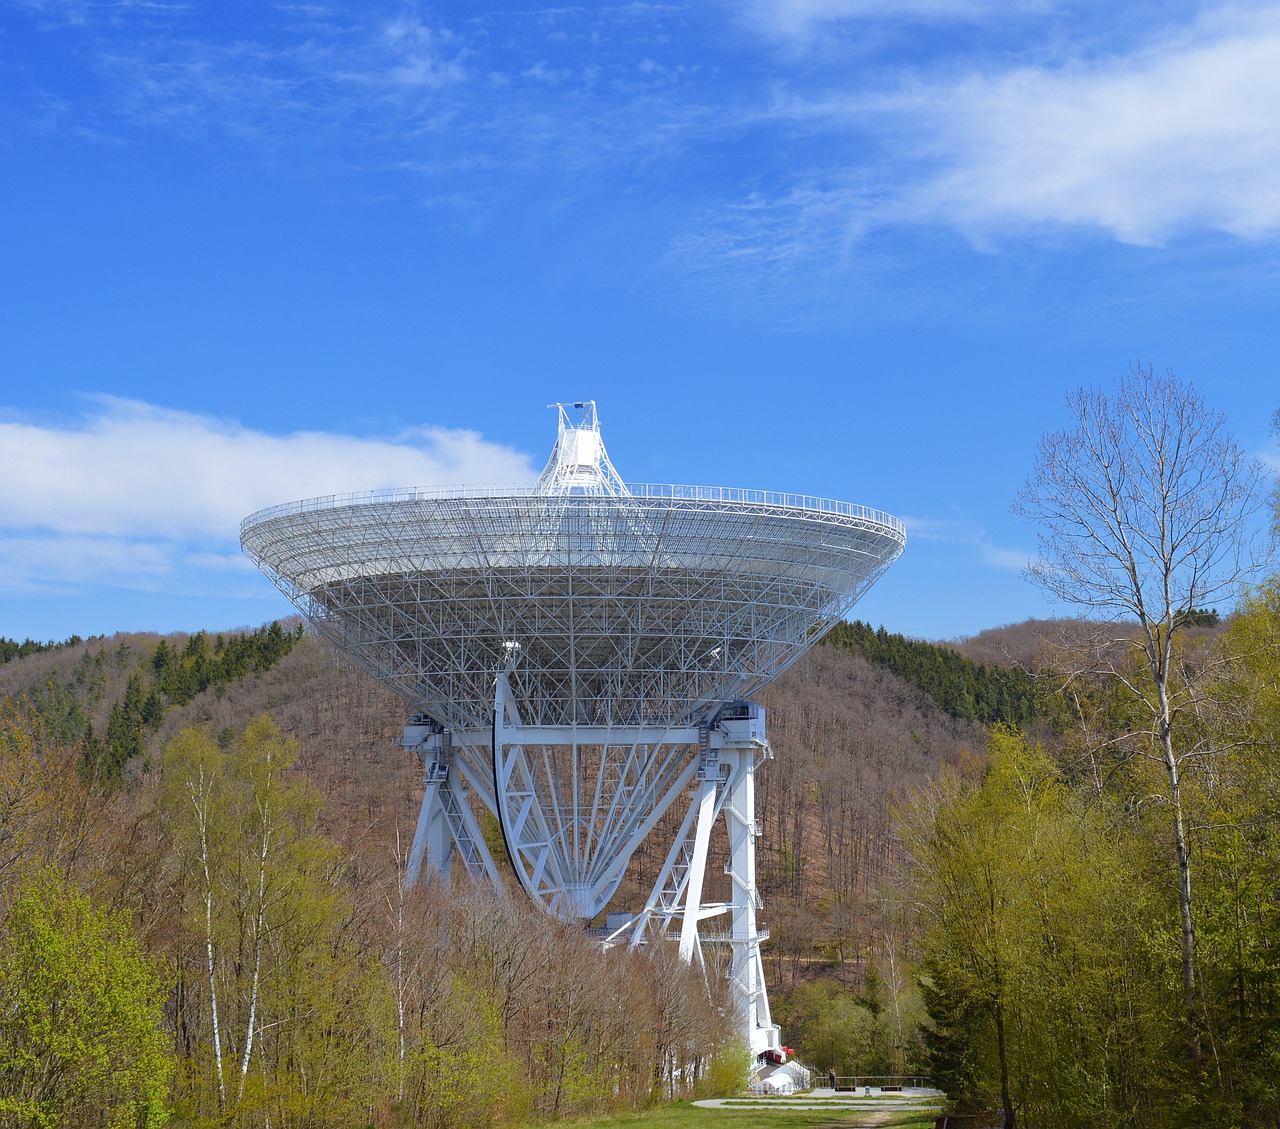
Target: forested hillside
850,737
242,794
143,734
973,691
254,846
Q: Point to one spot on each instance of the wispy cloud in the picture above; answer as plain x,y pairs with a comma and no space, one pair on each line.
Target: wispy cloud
1178,136
800,19
133,494
954,531
309,76
762,247
485,102
777,170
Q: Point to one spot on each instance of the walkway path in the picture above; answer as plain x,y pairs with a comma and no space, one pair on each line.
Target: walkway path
823,1097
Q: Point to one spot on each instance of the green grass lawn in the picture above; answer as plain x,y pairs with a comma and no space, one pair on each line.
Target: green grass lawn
682,1116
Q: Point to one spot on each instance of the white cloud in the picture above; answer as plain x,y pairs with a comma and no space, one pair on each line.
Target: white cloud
479,104
1181,135
422,55
797,233
36,562
133,494
1177,137
318,81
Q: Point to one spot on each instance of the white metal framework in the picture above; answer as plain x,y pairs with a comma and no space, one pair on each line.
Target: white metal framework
579,655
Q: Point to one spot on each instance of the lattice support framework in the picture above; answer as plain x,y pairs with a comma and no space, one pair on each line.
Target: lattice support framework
578,654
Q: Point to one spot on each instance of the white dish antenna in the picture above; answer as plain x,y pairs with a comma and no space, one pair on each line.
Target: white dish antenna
579,656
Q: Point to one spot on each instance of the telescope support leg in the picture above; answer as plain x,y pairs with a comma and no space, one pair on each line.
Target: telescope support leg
697,870
446,822
431,838
746,966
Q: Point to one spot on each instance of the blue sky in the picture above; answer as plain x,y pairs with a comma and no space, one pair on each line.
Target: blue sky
255,252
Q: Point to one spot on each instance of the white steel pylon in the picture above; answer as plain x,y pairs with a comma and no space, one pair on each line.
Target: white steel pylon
551,846
746,964
446,820
728,757
574,802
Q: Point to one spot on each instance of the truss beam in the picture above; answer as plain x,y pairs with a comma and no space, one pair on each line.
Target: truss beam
578,648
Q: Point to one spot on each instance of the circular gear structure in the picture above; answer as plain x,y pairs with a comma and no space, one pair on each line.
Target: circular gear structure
579,653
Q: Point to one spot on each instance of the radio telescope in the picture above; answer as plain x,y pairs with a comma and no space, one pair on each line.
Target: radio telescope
580,655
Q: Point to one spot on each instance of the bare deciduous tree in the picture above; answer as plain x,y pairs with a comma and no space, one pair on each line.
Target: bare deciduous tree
1147,510
1275,489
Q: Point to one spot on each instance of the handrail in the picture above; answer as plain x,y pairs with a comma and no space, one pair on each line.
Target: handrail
914,1081
773,498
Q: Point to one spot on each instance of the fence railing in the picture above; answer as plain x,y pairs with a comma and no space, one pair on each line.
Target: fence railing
639,490
851,1082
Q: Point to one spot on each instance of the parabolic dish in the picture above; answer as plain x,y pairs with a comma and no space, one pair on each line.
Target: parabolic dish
643,607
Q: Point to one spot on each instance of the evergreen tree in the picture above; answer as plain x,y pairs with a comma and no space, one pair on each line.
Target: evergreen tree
126,733
960,686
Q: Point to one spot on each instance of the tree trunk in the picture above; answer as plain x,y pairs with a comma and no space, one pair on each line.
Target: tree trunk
258,926
1183,856
1006,1099
202,824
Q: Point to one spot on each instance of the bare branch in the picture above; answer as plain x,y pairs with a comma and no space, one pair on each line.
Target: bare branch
1146,510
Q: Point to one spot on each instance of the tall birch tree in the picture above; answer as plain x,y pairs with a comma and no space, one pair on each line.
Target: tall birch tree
1146,508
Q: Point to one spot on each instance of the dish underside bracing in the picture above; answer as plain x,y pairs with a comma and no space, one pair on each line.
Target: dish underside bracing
579,657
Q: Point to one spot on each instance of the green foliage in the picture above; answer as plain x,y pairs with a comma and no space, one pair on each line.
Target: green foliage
1199,617
832,1029
1236,815
1041,963
303,1015
66,708
172,676
727,1072
459,1073
131,718
11,649
181,675
1253,646
963,688
42,816
81,1041
957,1063
336,999
1050,927
494,839
62,709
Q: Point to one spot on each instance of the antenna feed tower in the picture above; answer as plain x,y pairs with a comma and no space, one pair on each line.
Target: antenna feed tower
579,463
